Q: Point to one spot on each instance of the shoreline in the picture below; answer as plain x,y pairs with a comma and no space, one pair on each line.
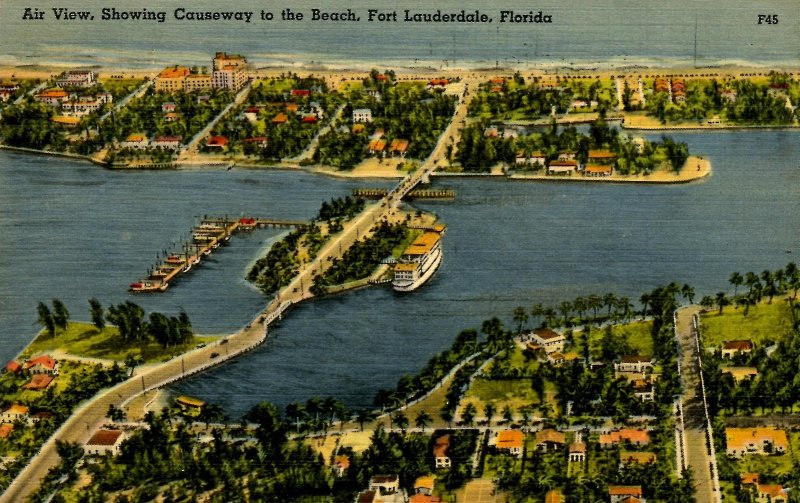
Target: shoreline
660,177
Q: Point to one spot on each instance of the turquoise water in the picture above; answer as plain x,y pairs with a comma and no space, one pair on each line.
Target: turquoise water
601,32
74,231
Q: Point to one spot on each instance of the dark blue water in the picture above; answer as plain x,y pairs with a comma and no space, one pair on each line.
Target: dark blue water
604,32
73,231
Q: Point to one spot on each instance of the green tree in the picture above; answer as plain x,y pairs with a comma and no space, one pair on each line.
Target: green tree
46,319
60,314
97,313
468,414
736,280
422,420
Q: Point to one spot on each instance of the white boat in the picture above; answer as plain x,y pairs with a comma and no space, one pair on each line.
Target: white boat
419,261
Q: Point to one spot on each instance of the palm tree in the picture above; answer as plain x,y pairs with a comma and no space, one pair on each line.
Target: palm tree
508,414
609,300
521,317
736,280
489,411
365,416
46,319
688,292
537,310
422,420
565,307
644,300
295,412
625,305
594,302
468,414
400,420
721,301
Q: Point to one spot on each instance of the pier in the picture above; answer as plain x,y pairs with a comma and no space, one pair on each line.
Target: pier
207,237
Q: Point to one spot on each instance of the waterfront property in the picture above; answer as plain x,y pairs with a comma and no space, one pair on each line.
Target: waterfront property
104,441
418,262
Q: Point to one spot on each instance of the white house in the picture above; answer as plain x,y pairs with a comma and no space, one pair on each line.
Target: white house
551,341
362,115
634,363
104,441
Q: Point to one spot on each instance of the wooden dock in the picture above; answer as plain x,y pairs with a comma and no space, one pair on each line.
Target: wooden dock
207,237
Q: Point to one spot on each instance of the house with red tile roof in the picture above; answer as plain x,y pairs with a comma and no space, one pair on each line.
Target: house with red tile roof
618,494
576,453
771,493
104,441
42,364
440,447
399,147
550,340
511,442
167,142
217,142
549,439
764,440
6,429
340,465
13,366
733,348
424,484
636,437
281,118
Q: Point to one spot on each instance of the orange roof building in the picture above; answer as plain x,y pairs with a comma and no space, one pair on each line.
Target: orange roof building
171,79
13,366
6,430
440,447
745,441
398,147
39,382
635,437
549,438
377,145
42,364
553,496
511,441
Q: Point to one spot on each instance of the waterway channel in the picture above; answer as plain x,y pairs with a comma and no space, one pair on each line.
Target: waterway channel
73,231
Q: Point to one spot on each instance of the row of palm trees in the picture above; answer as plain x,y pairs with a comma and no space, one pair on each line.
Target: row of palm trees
766,284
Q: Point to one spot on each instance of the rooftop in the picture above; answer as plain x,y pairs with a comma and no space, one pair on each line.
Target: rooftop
510,439
423,244
105,437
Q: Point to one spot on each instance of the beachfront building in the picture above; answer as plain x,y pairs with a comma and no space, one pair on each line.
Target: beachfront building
362,115
197,82
533,159
167,142
733,348
602,157
136,141
52,97
77,78
562,167
230,71
398,147
171,79
745,441
550,341
598,170
103,442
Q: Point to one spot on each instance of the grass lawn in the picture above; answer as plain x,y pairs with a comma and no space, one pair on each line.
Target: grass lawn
764,322
83,339
637,333
513,392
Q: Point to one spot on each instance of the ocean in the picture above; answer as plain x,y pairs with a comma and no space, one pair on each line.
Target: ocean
596,34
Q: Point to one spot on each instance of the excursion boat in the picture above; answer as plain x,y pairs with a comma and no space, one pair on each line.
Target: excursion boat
175,259
147,286
419,261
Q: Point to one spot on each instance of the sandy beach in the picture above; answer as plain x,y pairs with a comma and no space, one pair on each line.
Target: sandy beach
696,168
